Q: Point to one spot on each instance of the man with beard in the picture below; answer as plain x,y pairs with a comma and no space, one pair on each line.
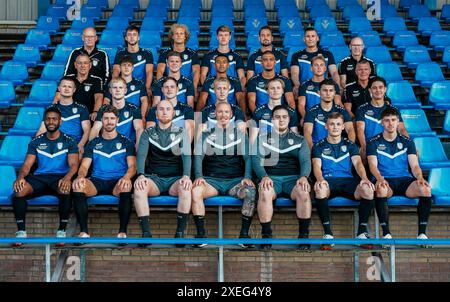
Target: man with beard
113,161
57,162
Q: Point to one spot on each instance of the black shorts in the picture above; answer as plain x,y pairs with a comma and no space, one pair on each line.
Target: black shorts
399,185
104,186
44,184
343,187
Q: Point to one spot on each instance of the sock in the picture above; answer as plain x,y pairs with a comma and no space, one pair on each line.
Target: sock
303,227
181,222
383,214
246,223
324,214
266,228
81,210
200,224
365,208
144,221
423,212
20,208
64,207
124,211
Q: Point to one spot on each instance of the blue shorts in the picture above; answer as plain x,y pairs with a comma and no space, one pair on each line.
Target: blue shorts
104,186
399,185
342,186
283,185
163,183
222,185
43,184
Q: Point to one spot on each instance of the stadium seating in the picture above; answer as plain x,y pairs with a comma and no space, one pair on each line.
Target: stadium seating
193,41
310,3
445,14
393,25
428,73
416,122
438,180
431,153
115,38
402,95
251,12
254,24
117,23
446,56
325,24
28,121
53,71
405,4
417,11
339,53
110,50
353,11
290,52
388,11
253,40
290,24
428,25
287,11
73,37
6,185
319,11
150,24
379,54
29,54
216,22
193,25
156,13
446,126
82,23
414,55
38,38
42,93
370,38
91,12
359,24
328,39
132,3
8,94
440,95
439,40
390,71
99,3
57,11
13,150
16,72
49,24
62,53
123,11
150,39
403,39
293,39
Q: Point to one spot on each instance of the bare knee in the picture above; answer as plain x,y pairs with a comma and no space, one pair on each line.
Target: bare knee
197,193
321,193
366,193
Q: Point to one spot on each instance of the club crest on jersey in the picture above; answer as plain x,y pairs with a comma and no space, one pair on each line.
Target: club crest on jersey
212,137
230,58
126,114
74,110
271,140
139,57
95,62
400,146
231,136
177,112
59,146
172,136
118,146
212,114
87,88
132,87
180,85
185,56
344,148
290,141
155,136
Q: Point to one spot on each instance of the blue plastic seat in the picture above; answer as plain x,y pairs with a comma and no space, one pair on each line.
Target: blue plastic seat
414,55
193,25
254,24
132,3
117,23
403,39
334,202
38,38
341,4
73,37
42,93
13,150
62,53
6,185
156,13
402,95
402,201
352,11
408,3
428,73
440,186
390,71
91,12
445,14
82,23
392,25
123,11
150,24
29,54
8,94
251,12
431,152
222,11
319,11
417,11
115,38
290,53
310,3
439,40
150,39
111,51
325,24
44,200
439,95
252,3
339,53
288,11
193,43
416,122
16,72
49,24
446,56
290,24
328,39
446,126
27,121
53,71
190,11
359,24
428,25
99,3
293,39
370,38
57,11
388,11
253,40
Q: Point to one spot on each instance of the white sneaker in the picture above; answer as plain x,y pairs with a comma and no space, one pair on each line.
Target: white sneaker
365,236
327,247
60,234
423,237
20,234
82,235
387,236
121,236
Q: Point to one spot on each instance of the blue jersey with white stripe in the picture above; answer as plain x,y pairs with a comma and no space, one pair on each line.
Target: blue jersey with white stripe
310,90
392,156
183,112
263,118
209,116
185,89
52,155
234,59
135,91
189,57
258,83
254,61
208,87
303,58
140,59
109,156
127,115
371,116
71,116
336,158
318,117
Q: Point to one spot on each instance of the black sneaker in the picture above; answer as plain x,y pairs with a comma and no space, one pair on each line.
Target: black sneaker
245,246
145,235
179,235
201,244
304,247
266,247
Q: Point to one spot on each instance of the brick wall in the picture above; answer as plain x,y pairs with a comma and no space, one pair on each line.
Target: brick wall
188,264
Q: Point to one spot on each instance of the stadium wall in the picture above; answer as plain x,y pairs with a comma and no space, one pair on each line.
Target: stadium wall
188,264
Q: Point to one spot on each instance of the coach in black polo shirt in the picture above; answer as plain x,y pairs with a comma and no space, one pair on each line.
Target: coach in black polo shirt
348,64
99,58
